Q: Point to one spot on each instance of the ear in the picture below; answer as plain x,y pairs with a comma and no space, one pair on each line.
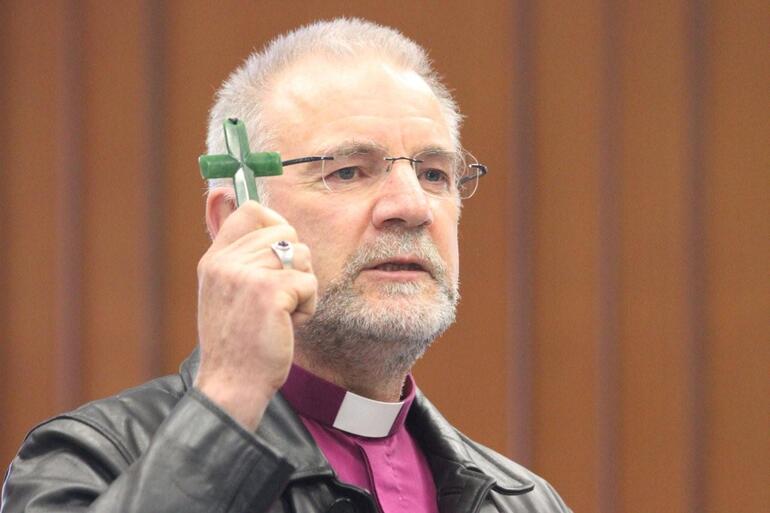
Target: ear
220,203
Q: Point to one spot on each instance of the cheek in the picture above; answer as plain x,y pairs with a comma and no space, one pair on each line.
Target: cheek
453,258
446,237
332,234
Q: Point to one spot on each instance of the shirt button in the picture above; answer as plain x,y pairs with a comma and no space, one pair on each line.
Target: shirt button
342,506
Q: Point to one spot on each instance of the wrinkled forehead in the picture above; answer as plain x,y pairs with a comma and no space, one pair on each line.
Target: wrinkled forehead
319,100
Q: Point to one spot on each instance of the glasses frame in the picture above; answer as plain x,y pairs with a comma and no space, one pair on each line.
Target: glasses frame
481,169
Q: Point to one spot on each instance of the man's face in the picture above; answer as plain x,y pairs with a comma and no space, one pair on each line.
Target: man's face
395,247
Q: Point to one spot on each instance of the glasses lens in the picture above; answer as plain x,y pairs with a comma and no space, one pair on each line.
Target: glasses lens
437,171
353,171
468,176
443,174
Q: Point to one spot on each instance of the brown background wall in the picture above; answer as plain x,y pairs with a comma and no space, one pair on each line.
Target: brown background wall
613,331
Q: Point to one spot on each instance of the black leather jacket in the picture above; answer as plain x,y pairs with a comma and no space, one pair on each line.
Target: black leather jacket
164,447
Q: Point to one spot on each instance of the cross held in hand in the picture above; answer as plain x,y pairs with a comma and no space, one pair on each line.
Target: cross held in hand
240,164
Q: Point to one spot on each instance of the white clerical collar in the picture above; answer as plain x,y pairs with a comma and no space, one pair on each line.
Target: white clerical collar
336,407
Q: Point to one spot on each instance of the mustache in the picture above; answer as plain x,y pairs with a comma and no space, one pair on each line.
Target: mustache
394,243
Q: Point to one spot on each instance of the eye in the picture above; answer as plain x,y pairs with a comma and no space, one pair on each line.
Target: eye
345,174
436,176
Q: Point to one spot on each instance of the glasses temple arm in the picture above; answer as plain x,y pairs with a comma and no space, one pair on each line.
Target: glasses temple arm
303,160
481,170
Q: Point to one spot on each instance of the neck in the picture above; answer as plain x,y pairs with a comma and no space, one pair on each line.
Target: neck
369,382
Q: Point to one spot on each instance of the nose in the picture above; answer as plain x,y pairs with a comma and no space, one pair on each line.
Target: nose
401,200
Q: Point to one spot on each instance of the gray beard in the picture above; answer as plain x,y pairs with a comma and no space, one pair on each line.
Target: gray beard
373,339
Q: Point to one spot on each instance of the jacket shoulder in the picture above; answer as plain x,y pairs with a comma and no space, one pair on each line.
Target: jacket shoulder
513,487
128,419
508,473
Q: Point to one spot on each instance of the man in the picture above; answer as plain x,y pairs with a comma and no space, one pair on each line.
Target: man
313,307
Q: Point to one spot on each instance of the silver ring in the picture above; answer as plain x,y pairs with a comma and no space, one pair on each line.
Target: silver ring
285,253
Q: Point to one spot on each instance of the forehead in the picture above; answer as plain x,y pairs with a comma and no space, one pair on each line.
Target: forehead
319,102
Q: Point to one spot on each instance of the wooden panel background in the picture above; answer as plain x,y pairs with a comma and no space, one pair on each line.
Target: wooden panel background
613,329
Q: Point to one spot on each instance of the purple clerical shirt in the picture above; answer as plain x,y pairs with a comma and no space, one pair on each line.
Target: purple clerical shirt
365,441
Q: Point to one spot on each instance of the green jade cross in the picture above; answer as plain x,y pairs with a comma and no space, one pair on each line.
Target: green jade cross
240,164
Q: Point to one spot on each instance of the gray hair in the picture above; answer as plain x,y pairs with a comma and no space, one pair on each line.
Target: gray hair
241,95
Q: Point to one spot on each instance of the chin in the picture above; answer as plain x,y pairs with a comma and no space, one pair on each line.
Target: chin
402,290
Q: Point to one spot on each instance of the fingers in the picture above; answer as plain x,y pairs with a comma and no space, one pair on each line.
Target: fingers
265,257
255,249
248,305
241,256
247,218
263,237
296,293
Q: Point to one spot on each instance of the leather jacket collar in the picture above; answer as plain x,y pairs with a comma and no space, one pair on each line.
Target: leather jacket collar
455,460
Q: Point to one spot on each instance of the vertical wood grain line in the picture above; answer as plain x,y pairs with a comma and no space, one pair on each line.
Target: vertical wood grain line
608,381
521,277
69,237
697,78
5,61
153,173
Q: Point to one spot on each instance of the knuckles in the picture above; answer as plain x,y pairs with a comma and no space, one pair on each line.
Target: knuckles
260,285
289,233
251,209
302,255
260,214
249,274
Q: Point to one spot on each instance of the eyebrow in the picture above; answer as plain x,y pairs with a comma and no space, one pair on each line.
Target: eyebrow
358,147
434,148
352,147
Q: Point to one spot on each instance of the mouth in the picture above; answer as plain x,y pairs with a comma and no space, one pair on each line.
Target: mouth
400,266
